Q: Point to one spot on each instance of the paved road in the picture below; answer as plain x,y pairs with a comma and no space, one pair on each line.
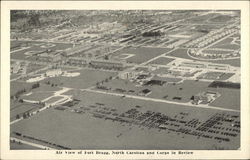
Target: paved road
32,144
65,99
20,49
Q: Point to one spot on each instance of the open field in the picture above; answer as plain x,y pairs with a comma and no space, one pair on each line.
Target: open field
33,67
36,46
87,78
232,62
230,98
16,86
21,54
53,99
45,88
14,75
37,96
184,90
20,108
209,51
141,54
221,19
216,75
182,53
226,44
21,146
162,61
54,46
201,19
120,135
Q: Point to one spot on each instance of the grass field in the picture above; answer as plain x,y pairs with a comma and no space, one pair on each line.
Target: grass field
182,53
217,75
21,146
162,61
45,87
226,44
14,75
230,98
201,19
16,86
33,67
53,99
142,54
221,19
209,51
21,54
233,62
35,46
82,131
87,78
185,90
37,96
20,108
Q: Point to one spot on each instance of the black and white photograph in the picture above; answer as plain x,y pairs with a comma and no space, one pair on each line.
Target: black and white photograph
125,79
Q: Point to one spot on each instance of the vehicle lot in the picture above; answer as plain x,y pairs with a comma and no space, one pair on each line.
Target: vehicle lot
119,135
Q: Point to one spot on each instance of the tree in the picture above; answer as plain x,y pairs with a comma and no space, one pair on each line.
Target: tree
192,98
24,115
106,57
17,116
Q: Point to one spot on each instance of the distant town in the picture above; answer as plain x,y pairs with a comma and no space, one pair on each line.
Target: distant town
125,79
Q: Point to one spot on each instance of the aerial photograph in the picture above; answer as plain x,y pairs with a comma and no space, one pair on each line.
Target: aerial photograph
125,79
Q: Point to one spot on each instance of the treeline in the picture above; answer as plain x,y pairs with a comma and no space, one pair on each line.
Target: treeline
23,90
219,84
26,20
151,34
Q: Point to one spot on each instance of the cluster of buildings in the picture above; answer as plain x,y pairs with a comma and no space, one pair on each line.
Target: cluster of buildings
206,65
205,97
218,55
